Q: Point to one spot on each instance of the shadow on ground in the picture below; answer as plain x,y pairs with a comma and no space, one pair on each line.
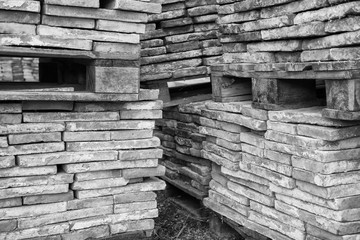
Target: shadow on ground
176,223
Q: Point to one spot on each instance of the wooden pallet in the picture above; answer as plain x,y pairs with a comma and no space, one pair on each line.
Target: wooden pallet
277,86
189,91
90,71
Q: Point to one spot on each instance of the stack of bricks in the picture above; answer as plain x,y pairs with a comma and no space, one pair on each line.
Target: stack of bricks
181,42
104,27
79,170
29,69
17,69
292,175
288,30
182,145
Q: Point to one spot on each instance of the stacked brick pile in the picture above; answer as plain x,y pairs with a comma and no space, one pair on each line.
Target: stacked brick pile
182,144
16,69
180,42
107,29
289,31
295,174
78,170
30,69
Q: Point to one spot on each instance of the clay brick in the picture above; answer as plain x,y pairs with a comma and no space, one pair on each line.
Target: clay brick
30,211
31,222
113,145
33,190
33,138
48,198
108,165
99,183
148,185
91,203
37,232
64,157
134,197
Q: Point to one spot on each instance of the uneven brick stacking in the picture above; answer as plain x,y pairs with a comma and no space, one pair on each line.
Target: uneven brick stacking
106,27
78,170
17,69
288,30
295,174
181,141
181,42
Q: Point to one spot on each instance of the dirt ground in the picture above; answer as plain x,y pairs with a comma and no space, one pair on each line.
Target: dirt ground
175,223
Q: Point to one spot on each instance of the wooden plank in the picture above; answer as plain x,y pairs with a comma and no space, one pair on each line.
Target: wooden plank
20,5
335,66
44,41
79,34
118,26
136,6
343,95
34,86
57,53
124,51
75,3
297,75
19,17
341,115
164,93
68,22
65,96
92,13
113,79
44,52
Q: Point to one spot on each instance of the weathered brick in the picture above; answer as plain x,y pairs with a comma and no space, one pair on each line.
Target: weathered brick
10,108
108,165
32,211
140,154
130,134
292,7
48,198
151,184
68,117
7,162
134,197
140,114
30,222
35,137
33,148
135,206
10,118
8,225
99,183
87,176
33,128
33,190
143,172
251,194
130,226
10,202
37,232
65,157
113,145
93,232
113,125
14,182
91,203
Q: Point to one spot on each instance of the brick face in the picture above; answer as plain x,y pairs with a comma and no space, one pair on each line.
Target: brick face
38,198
